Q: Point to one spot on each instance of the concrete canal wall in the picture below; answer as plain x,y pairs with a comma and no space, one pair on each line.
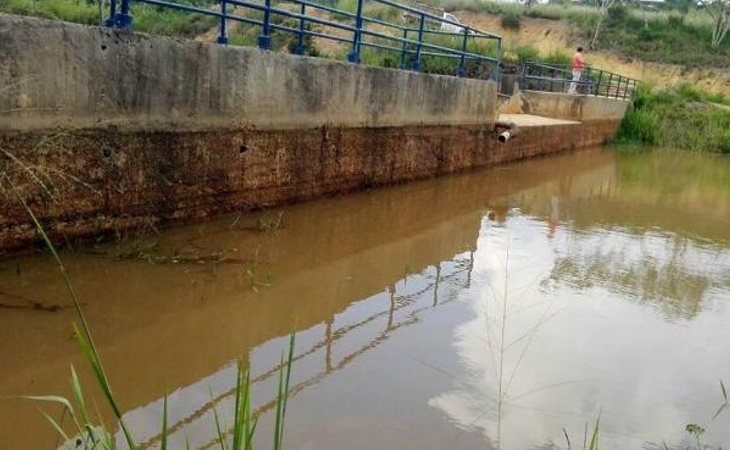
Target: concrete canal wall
56,74
111,131
586,109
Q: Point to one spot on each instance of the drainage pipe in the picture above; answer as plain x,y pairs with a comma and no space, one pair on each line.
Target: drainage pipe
511,131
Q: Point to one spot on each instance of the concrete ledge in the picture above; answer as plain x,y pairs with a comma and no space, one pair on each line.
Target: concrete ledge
56,74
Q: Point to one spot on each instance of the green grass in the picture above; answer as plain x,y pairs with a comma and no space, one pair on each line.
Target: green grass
80,11
681,117
511,20
147,18
662,39
167,22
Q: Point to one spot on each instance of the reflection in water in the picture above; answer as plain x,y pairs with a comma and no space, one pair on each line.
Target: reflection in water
670,272
489,310
329,347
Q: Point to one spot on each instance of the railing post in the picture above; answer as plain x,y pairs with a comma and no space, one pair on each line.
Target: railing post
498,67
610,82
299,48
539,79
124,19
111,20
552,75
626,89
403,49
461,71
598,83
417,61
522,75
222,38
354,55
264,40
618,85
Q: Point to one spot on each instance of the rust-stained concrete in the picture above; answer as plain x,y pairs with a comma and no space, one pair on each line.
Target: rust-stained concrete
136,179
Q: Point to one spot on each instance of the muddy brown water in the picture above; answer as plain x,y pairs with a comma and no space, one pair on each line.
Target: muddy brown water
494,309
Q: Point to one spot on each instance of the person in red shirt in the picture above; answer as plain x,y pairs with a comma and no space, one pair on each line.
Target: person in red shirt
579,64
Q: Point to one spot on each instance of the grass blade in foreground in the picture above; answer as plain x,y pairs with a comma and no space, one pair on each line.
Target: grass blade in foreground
163,443
83,336
594,437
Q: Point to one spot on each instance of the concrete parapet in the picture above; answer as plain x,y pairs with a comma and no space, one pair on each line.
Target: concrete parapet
56,74
582,108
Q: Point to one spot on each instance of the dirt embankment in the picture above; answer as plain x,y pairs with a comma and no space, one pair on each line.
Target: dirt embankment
550,35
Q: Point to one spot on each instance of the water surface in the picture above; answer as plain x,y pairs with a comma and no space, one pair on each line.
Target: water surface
494,309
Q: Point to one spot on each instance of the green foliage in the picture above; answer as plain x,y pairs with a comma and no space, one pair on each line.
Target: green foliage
640,125
382,12
80,11
668,38
526,53
682,117
618,13
511,20
246,35
347,5
376,57
169,22
558,58
675,20
594,436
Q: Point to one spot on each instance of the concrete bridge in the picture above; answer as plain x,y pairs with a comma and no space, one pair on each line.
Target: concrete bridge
103,130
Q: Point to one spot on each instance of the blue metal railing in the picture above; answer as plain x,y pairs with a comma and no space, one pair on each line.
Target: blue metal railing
433,37
556,78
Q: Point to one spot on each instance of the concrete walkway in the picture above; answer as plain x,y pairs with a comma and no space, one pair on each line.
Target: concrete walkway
530,120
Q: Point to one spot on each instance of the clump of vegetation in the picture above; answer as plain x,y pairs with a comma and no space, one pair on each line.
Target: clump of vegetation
169,22
681,117
557,58
662,38
79,11
511,20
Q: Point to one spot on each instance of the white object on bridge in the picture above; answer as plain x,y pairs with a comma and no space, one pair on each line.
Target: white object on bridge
450,27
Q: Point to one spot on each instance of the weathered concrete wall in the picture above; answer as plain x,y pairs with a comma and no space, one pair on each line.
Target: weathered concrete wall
60,74
112,131
573,107
135,179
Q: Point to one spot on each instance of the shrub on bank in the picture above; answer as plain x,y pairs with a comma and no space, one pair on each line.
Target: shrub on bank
681,117
511,20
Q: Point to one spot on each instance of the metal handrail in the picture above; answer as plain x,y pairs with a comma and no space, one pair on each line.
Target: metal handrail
410,47
597,82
